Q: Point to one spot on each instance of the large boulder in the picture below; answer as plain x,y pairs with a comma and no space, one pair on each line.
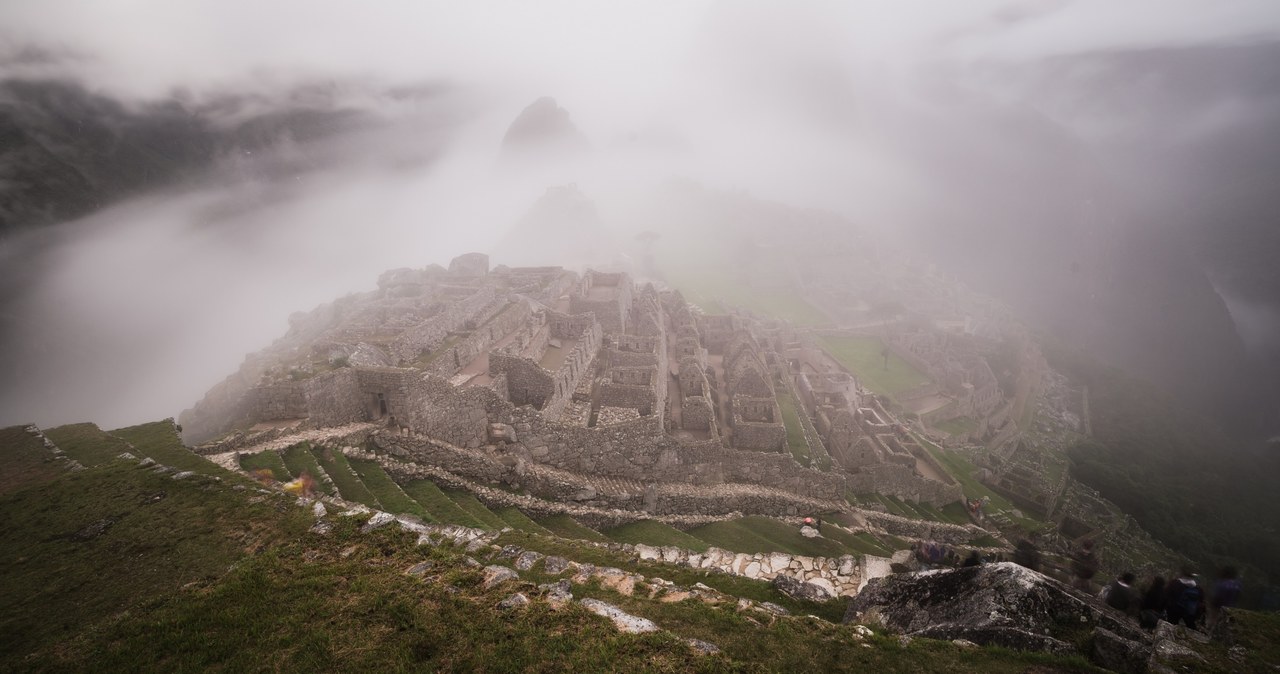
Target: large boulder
798,589
994,604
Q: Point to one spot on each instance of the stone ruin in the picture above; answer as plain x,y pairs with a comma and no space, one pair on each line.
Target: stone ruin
541,369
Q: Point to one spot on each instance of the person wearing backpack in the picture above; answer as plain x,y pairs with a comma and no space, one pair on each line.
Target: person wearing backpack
1186,599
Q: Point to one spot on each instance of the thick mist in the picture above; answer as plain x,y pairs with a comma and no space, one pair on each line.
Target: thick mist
1013,143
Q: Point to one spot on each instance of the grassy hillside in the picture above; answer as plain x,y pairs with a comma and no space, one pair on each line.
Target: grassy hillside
122,568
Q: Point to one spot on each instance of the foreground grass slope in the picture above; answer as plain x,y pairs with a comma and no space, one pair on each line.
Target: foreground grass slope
121,568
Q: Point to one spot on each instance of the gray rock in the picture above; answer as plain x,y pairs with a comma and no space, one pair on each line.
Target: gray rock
322,528
378,521
624,621
555,565
809,532
527,559
510,552
773,608
147,462
1000,604
420,568
493,575
124,455
516,600
182,475
558,594
797,589
702,647
476,545
318,509
1118,653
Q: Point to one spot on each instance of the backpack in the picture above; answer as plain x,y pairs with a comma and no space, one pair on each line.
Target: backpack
1189,600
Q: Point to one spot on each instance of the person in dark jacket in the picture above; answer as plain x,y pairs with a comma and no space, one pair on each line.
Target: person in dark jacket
1153,604
1186,599
1121,595
1027,555
1226,592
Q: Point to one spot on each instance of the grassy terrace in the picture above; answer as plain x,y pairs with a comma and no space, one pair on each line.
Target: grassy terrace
299,459
388,493
438,504
477,510
344,478
269,461
87,443
566,527
863,357
651,532
959,426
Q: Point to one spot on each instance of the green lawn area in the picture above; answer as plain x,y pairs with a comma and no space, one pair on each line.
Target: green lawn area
478,511
650,532
520,521
159,440
439,505
268,460
863,357
567,527
385,489
87,443
765,534
713,291
344,478
795,432
299,459
959,426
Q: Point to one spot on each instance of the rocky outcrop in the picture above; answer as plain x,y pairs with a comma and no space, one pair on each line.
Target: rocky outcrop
995,604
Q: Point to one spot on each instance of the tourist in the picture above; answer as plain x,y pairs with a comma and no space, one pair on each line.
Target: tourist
1185,599
1152,609
1084,566
1120,595
1026,554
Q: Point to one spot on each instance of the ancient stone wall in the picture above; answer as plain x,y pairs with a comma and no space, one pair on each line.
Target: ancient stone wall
527,382
499,324
901,481
696,413
428,335
334,398
278,401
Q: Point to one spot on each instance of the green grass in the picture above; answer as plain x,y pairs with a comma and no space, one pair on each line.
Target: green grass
959,426
344,478
160,441
477,510
860,542
651,532
520,521
862,356
26,460
299,459
268,460
388,493
165,534
87,443
192,575
765,534
796,441
567,527
714,292
439,505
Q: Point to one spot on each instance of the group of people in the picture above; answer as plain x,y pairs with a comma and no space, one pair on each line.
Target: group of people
1182,600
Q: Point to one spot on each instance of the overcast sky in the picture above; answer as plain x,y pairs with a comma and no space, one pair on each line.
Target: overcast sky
627,49
768,93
